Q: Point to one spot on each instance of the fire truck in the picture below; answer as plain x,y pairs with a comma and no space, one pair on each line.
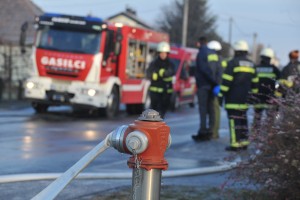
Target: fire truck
90,64
184,84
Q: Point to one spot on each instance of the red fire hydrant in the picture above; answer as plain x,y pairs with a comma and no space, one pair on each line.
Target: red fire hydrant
146,140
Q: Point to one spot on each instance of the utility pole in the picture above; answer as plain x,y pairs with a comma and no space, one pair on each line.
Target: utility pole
254,48
185,22
230,30
230,53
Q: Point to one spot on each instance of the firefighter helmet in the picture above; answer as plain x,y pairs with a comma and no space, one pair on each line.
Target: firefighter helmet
163,47
241,45
267,52
215,45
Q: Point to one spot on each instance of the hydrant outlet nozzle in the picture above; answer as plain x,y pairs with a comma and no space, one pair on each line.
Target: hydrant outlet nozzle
136,142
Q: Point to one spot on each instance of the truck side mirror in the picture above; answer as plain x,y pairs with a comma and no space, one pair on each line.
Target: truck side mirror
22,41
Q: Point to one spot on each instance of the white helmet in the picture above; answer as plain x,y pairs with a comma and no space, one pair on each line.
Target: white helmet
241,46
214,45
267,52
163,47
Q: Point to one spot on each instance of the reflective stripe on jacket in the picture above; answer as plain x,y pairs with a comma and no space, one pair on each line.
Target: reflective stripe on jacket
161,73
238,81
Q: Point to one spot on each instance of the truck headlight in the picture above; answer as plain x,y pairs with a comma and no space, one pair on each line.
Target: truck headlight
32,85
90,92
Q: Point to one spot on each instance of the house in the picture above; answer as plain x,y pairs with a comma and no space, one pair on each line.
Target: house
13,15
14,66
128,17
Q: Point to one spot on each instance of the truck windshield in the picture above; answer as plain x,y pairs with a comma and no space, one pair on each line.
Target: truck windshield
68,40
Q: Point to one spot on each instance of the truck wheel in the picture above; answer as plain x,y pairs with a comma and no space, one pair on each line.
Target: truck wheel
113,102
40,108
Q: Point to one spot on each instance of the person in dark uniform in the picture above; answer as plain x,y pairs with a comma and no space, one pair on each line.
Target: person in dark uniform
239,80
268,74
206,74
161,72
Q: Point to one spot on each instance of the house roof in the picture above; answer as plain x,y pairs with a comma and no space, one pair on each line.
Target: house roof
132,16
13,14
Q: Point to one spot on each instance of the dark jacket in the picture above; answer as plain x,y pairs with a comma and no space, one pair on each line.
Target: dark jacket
268,74
290,77
161,72
203,73
292,69
238,81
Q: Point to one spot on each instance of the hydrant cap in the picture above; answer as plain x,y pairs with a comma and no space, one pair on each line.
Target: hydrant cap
150,115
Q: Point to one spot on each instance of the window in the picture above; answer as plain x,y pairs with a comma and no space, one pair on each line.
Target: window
75,41
137,59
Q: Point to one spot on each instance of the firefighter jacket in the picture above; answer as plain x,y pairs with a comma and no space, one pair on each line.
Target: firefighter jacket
239,80
203,72
214,63
290,73
161,73
267,74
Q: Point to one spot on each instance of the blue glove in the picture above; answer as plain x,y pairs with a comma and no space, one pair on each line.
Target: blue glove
216,90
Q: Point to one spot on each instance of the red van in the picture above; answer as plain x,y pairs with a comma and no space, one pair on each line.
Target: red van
184,83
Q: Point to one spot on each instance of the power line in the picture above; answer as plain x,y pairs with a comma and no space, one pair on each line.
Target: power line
240,30
263,21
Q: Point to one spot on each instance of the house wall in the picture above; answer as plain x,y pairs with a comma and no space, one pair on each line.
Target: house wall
14,69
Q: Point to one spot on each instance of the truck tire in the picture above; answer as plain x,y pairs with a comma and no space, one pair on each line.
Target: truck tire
113,103
39,108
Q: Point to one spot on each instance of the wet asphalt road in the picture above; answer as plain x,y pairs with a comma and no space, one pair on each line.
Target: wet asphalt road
53,142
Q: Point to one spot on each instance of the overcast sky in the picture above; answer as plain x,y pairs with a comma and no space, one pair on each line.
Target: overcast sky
276,22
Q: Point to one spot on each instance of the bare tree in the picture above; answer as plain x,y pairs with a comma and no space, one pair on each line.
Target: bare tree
201,22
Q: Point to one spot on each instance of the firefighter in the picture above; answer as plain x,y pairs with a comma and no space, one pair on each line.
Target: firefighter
206,85
290,73
217,47
238,81
161,72
268,74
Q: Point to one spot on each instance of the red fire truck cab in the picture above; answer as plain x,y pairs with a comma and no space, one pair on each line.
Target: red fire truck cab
184,84
89,63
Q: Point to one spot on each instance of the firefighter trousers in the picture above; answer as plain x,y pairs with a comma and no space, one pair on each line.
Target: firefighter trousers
238,128
160,102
